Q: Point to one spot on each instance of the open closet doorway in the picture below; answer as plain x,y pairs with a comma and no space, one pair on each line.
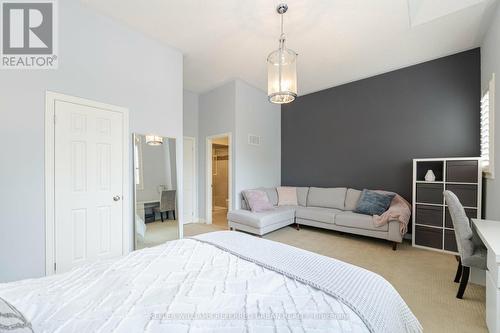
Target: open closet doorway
218,179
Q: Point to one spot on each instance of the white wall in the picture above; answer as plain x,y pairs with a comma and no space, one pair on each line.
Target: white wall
216,116
241,109
190,113
158,168
490,63
155,172
191,117
101,60
256,165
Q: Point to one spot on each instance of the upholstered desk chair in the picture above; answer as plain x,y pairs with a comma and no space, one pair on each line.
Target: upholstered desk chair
167,203
470,247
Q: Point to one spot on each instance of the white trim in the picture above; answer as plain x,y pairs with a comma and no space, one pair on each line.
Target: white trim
489,170
195,178
208,175
50,99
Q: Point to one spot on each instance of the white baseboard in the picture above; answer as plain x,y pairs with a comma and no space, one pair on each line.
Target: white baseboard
198,220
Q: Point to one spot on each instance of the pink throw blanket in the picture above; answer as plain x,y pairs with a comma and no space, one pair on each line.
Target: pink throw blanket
399,210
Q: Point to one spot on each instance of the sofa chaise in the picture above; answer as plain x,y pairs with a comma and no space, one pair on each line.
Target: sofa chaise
328,208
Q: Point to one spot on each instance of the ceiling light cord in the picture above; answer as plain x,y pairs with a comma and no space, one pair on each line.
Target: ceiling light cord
281,11
282,35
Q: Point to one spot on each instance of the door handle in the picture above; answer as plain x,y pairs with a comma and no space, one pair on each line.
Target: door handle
116,198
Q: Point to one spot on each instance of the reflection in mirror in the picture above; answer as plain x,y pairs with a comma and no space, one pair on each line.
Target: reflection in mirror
155,179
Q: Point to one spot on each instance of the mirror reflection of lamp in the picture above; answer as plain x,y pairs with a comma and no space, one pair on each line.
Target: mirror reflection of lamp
154,140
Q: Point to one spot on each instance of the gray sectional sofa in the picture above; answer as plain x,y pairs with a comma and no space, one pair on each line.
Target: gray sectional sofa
329,208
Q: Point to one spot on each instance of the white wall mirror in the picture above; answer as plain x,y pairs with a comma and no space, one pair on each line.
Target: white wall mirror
156,217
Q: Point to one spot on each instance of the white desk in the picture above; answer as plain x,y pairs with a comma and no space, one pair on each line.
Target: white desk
489,231
140,207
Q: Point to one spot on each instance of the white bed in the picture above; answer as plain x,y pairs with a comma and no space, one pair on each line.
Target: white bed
190,285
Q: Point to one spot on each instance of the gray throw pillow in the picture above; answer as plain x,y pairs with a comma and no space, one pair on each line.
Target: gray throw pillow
373,203
12,320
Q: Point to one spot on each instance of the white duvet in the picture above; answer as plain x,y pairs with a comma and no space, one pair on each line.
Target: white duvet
181,286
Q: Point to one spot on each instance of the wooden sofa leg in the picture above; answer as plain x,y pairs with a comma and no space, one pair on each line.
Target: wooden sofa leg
394,246
297,226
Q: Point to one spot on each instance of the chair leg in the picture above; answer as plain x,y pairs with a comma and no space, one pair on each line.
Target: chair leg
463,281
459,270
394,246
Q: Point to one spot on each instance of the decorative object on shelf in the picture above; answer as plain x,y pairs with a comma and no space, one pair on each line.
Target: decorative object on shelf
154,140
430,176
282,69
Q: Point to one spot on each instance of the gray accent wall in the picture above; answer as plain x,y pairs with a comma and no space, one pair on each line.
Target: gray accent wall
365,134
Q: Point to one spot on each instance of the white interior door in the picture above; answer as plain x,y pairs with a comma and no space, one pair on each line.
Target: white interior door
88,184
189,180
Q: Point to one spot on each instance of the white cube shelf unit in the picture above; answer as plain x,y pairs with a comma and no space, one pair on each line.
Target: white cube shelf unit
432,225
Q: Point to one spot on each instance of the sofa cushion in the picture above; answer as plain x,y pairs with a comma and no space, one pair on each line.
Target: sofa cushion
271,194
373,203
351,199
287,195
262,219
359,221
326,215
257,200
327,197
302,193
243,201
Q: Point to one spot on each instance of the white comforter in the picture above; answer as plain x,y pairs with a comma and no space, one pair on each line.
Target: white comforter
181,286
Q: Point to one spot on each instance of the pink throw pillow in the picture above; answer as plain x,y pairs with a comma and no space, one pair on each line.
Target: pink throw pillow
287,196
257,200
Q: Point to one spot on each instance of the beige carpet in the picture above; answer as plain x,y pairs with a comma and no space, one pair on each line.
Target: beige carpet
423,278
158,233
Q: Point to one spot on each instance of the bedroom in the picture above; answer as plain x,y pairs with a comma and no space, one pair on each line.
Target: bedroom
383,92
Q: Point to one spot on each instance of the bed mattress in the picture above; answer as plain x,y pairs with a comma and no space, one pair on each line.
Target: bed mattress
180,286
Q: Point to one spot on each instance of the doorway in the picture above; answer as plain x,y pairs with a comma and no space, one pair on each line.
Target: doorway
218,179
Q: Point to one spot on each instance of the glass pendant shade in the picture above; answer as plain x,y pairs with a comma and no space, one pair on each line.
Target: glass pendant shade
282,69
282,76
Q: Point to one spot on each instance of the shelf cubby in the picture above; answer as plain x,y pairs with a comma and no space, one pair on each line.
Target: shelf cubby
432,224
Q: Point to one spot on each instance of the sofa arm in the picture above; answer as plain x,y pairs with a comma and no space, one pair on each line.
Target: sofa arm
394,234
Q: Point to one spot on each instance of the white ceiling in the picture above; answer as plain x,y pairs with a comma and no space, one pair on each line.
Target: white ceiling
338,41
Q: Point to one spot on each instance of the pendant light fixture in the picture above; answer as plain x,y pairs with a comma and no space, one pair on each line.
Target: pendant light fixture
282,69
154,140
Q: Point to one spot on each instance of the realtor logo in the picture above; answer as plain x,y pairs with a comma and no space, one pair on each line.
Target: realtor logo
28,34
